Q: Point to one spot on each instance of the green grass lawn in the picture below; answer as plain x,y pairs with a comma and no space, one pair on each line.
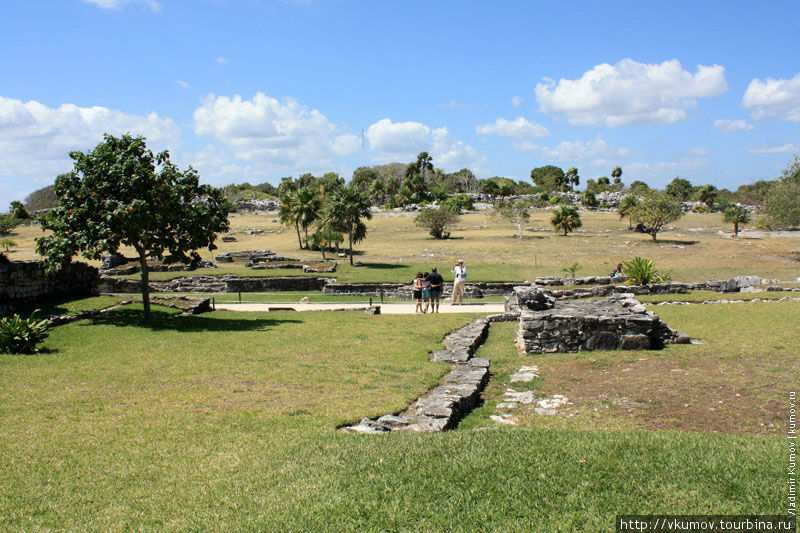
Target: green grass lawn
226,421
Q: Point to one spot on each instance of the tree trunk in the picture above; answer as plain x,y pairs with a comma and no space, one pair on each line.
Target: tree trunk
565,231
299,240
735,229
145,284
519,228
630,223
350,251
653,235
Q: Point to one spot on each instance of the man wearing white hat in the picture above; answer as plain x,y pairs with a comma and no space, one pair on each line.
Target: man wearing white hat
460,271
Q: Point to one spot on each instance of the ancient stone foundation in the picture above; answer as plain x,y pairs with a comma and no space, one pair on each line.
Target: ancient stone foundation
25,283
620,322
458,393
227,283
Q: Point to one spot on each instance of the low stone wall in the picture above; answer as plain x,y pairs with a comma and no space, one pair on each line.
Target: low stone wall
24,283
404,291
549,325
227,283
458,393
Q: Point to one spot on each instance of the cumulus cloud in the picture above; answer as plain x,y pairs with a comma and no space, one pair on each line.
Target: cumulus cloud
597,148
518,128
660,172
282,136
779,99
36,139
402,141
630,93
732,126
776,149
516,101
119,4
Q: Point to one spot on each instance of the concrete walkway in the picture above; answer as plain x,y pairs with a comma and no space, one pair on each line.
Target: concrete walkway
386,308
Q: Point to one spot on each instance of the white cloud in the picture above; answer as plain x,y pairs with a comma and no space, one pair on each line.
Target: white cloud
454,104
36,139
577,150
119,4
182,84
518,128
779,99
788,148
516,101
730,126
630,93
221,60
661,172
402,141
275,136
698,151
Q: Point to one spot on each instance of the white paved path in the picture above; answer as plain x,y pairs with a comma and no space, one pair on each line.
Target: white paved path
386,308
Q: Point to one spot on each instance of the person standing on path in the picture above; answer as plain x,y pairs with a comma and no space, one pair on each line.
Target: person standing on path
460,271
417,292
437,284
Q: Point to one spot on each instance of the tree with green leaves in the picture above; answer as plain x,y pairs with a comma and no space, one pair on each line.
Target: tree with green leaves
626,208
120,194
782,202
679,188
617,174
656,211
309,205
566,218
639,187
573,180
437,220
7,224
517,212
707,194
346,207
589,199
736,215
289,211
18,210
549,178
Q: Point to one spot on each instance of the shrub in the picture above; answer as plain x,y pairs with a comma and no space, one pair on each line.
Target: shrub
21,335
566,218
7,243
571,270
458,202
436,221
7,223
589,199
642,271
18,210
700,208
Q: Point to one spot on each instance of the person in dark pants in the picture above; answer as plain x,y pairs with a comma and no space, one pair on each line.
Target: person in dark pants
437,284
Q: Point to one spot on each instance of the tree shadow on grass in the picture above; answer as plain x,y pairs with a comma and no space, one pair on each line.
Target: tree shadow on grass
170,320
382,266
673,241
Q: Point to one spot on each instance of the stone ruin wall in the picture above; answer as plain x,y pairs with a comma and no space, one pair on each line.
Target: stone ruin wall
548,325
24,283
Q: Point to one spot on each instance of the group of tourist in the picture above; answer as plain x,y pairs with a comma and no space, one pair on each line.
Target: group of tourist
427,288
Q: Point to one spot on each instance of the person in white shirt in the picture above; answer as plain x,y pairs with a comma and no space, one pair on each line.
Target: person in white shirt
460,271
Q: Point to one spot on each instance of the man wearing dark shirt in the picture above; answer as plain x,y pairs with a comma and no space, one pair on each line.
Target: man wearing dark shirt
437,283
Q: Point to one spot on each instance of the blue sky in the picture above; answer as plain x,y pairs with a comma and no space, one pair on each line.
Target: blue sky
253,90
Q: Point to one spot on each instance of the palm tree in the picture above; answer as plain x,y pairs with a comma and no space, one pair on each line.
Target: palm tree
288,212
346,208
736,215
573,180
566,218
308,204
617,174
626,207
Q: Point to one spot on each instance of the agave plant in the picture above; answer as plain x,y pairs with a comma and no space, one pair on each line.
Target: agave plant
642,271
22,335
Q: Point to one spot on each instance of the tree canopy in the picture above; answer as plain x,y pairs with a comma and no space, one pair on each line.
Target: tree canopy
120,194
549,178
656,211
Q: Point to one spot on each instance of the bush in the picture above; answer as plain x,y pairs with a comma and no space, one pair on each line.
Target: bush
7,223
459,202
436,221
642,271
18,210
700,208
21,335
